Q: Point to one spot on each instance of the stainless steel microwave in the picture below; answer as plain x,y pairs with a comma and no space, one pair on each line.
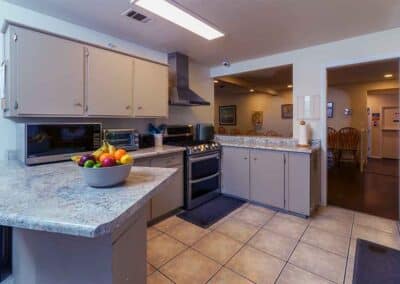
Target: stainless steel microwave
52,142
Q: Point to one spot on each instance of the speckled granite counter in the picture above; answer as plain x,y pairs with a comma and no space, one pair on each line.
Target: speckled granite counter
54,198
266,143
156,151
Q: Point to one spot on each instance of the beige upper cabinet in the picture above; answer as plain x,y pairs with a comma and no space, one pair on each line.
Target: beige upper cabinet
150,89
47,74
109,83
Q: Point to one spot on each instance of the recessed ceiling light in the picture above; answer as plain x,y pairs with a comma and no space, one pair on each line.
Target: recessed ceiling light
179,17
216,81
251,90
388,75
290,86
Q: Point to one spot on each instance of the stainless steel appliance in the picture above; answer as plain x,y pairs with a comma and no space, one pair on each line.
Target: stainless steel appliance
202,165
123,138
52,142
204,132
5,252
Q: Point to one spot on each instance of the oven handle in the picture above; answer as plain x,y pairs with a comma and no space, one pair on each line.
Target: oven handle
193,160
204,178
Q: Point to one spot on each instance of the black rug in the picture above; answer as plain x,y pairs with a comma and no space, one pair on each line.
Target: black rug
376,264
211,212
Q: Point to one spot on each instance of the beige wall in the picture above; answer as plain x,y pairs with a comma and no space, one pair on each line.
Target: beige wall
384,144
353,96
246,104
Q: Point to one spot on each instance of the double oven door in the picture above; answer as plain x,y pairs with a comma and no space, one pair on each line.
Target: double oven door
203,178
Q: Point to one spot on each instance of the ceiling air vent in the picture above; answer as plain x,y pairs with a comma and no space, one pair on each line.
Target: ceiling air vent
130,13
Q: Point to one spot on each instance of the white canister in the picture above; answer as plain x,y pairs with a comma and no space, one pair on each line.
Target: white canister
158,140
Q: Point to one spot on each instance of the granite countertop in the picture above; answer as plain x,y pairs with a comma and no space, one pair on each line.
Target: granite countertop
156,151
266,143
54,198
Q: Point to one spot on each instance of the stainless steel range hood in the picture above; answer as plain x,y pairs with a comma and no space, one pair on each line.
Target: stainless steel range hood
179,92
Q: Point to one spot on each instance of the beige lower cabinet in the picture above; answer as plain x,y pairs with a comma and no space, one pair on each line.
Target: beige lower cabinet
267,177
236,172
284,180
170,197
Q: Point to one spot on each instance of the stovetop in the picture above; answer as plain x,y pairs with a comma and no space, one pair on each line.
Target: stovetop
197,147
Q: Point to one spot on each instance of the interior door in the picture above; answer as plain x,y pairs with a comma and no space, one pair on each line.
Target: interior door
267,178
109,83
49,74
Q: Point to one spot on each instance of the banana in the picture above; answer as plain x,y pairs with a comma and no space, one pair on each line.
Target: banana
76,159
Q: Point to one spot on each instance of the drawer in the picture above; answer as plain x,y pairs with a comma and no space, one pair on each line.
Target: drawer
168,161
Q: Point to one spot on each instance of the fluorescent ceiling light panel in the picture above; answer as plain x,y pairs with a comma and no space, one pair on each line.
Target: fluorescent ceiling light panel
179,17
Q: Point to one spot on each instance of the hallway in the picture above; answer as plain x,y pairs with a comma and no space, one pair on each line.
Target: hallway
374,192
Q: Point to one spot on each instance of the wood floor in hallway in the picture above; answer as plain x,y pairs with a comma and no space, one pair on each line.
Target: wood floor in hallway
375,191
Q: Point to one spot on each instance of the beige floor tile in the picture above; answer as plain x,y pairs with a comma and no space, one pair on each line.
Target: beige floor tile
274,244
238,230
255,265
168,223
332,225
226,276
381,224
325,264
260,208
218,247
294,275
286,227
158,278
150,269
163,248
376,236
219,223
254,216
190,267
326,240
152,233
340,214
349,271
293,218
187,233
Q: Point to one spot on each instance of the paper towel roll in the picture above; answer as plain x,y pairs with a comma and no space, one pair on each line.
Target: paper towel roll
303,139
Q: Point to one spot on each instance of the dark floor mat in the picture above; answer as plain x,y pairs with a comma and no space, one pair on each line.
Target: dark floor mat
375,264
211,212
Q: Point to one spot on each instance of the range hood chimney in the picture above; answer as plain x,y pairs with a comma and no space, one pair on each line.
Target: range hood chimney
179,92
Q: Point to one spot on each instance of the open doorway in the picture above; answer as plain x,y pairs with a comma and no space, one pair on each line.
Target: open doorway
257,103
363,137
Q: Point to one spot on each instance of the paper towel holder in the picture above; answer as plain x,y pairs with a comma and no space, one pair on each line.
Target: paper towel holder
303,137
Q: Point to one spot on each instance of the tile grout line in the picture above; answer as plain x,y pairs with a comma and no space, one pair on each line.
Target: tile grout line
348,250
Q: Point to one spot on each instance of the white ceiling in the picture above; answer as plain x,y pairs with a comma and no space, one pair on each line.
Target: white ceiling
364,73
253,28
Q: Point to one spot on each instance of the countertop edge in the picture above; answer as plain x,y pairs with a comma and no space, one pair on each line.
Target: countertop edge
302,150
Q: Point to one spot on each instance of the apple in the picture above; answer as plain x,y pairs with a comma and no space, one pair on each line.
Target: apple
108,162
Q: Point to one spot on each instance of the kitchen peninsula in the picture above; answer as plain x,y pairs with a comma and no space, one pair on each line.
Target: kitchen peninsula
67,232
271,171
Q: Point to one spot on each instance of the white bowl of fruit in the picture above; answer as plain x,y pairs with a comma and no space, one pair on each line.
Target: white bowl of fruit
106,167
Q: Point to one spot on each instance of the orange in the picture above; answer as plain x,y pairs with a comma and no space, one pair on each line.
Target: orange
104,156
119,154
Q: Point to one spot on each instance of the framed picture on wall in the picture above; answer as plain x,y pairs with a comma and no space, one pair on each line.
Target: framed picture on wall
227,115
329,109
287,111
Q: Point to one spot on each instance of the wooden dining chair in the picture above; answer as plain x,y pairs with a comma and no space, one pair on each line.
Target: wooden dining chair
235,131
333,144
349,141
272,133
221,130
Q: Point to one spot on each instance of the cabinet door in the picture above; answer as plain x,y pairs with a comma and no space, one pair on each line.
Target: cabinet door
170,196
298,200
150,89
235,172
267,178
109,83
49,74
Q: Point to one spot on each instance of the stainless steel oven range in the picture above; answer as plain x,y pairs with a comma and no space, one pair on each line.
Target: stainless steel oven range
202,165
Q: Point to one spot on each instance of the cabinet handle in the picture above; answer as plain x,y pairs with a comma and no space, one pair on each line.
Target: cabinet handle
78,105
140,107
245,158
255,159
127,107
